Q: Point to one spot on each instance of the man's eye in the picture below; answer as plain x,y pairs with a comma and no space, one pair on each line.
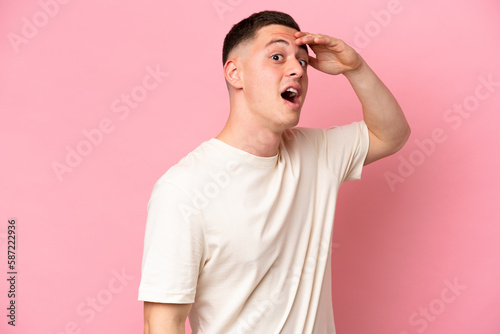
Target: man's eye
277,57
303,63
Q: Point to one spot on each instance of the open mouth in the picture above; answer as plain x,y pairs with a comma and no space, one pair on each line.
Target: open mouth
291,95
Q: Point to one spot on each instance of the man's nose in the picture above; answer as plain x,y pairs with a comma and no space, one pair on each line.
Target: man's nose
295,69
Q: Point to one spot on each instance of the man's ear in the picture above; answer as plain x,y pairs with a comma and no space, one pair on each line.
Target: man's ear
232,73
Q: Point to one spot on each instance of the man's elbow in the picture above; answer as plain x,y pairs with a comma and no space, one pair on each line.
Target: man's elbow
403,138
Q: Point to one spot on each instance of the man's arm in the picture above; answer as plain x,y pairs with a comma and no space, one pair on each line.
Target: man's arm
387,126
162,318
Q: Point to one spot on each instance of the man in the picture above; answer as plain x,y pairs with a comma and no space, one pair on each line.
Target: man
239,231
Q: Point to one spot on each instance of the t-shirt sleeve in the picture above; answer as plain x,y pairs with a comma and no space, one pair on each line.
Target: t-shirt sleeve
346,149
173,247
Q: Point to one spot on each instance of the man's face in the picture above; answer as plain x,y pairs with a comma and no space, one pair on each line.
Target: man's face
274,77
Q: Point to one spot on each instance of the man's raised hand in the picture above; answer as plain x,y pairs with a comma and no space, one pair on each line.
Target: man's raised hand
333,56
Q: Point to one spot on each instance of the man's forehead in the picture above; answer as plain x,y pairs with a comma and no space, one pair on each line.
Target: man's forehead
275,33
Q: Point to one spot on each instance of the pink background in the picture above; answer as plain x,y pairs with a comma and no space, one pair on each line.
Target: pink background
418,222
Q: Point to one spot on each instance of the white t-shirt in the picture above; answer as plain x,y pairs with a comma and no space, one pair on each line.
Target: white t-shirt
247,239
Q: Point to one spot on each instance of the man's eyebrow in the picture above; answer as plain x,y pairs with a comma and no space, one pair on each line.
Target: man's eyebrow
283,41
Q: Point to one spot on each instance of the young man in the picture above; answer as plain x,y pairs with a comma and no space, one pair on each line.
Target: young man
239,231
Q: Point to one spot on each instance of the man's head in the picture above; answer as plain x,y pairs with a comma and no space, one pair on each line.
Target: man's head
246,29
266,71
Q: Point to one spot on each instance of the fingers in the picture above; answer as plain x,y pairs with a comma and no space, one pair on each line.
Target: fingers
308,38
300,34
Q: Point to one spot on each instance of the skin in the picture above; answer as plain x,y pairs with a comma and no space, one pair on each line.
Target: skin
256,74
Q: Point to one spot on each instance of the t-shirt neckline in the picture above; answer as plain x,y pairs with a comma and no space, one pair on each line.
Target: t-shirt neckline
242,155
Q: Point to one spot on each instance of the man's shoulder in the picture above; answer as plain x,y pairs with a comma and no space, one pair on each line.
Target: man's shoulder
317,135
298,141
303,138
299,133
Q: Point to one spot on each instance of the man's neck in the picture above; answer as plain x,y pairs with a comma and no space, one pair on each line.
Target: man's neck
259,141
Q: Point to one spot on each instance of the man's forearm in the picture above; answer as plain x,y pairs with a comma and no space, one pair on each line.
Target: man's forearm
381,112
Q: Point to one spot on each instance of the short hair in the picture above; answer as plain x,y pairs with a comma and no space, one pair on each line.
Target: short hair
246,29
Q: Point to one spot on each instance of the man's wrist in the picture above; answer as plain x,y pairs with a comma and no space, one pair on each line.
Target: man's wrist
352,74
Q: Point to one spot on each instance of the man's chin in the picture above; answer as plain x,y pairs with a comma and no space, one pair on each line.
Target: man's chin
292,119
